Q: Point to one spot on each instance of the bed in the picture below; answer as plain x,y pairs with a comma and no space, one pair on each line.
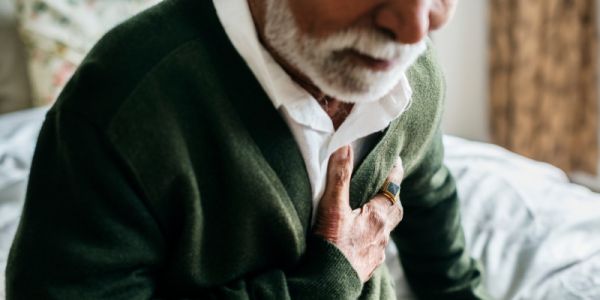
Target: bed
536,234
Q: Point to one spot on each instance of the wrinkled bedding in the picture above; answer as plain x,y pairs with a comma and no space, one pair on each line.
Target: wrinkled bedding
18,133
537,235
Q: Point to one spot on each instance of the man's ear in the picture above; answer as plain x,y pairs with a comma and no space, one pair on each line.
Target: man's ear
441,13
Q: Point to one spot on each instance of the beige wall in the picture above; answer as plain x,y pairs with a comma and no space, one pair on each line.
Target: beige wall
462,50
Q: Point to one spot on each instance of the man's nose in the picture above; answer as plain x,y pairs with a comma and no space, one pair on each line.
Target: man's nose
407,21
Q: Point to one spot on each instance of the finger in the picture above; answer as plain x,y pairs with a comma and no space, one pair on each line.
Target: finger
393,212
339,172
395,176
397,173
382,204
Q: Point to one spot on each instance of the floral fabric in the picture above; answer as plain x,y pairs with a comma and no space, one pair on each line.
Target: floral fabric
59,33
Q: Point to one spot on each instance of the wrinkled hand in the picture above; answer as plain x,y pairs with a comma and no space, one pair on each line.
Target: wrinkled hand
361,234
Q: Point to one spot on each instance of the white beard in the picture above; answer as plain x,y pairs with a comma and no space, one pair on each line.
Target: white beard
333,74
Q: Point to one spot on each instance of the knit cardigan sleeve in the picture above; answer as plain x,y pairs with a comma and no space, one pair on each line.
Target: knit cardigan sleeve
87,233
430,238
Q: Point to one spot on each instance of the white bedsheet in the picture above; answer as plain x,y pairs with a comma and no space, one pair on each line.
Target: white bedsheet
537,235
18,133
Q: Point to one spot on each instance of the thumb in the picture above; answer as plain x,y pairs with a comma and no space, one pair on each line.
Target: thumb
339,172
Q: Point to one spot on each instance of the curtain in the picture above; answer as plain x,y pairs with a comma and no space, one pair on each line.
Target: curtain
544,87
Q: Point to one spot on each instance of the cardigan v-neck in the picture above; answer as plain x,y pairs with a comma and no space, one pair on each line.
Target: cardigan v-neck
310,126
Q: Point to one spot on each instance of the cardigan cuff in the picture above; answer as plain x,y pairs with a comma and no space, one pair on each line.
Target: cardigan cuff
329,269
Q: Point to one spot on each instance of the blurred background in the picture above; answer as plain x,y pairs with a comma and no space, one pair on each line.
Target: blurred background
523,74
520,73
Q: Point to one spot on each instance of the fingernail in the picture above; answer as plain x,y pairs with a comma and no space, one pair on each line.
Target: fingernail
398,161
344,152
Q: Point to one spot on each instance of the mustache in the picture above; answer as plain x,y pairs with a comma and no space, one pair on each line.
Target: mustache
370,42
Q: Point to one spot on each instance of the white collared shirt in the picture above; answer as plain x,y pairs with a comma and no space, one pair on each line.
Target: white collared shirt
310,125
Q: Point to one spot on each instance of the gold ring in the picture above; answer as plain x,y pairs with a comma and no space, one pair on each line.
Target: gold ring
389,197
391,191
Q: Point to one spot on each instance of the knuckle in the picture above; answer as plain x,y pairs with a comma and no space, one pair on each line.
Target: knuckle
365,209
377,218
340,176
378,202
383,242
400,214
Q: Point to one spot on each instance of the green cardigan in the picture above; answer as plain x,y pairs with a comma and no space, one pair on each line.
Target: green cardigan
164,171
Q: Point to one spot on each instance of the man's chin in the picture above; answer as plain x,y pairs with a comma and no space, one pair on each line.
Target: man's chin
351,90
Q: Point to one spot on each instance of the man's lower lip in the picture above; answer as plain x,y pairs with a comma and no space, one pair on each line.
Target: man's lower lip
370,62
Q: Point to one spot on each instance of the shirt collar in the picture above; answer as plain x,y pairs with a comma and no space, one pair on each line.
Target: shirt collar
236,18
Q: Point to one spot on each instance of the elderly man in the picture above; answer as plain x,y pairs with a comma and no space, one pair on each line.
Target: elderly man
248,149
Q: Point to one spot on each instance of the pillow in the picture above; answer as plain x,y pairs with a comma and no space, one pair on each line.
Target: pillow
58,34
14,83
